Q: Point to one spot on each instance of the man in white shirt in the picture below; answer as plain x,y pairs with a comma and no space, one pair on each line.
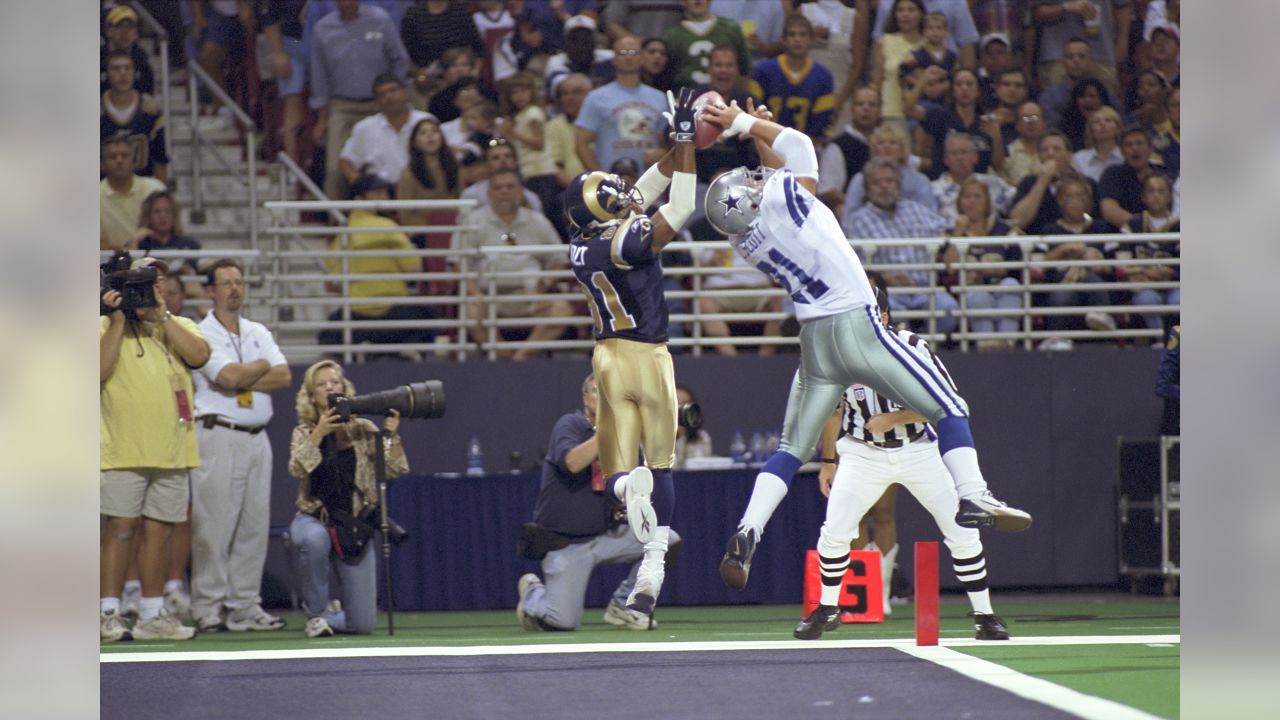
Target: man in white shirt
379,144
231,490
499,155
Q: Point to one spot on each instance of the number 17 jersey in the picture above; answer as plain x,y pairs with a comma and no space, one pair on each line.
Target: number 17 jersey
796,240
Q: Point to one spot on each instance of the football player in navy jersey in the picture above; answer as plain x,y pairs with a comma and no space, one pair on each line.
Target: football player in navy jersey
772,219
614,249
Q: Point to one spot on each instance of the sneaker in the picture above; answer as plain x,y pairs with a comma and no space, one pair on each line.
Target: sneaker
644,596
822,619
112,628
253,618
618,615
1100,321
318,627
162,627
986,511
526,582
130,602
640,515
178,603
211,623
735,566
989,627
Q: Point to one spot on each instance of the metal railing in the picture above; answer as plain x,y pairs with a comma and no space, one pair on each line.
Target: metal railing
197,78
166,97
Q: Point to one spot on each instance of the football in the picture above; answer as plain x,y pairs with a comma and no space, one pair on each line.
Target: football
706,133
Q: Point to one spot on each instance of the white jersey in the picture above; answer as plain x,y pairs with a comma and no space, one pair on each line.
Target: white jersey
796,240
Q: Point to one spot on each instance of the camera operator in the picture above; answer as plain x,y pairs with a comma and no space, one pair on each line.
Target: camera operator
337,502
575,530
147,441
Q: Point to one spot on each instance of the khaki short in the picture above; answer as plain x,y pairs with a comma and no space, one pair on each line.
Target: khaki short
745,303
157,493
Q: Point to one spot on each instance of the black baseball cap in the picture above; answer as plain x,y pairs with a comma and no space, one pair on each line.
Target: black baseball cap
368,183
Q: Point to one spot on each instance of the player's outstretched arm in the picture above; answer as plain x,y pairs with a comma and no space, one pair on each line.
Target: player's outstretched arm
679,206
795,148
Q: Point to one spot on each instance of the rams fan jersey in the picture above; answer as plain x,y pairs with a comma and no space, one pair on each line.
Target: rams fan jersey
623,280
796,240
800,99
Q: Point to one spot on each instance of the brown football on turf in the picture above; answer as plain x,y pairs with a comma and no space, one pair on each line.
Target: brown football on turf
706,133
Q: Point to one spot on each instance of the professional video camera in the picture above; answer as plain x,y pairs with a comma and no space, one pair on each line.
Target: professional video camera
136,287
416,400
689,416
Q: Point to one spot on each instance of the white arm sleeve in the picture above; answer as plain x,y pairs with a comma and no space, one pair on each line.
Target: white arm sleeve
796,150
651,184
680,206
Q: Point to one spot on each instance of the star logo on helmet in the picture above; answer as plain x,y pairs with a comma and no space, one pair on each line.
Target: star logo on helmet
730,203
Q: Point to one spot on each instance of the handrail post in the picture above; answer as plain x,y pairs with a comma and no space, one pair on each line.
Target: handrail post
197,196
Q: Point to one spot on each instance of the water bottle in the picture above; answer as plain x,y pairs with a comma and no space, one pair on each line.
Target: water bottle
772,441
759,448
475,457
738,450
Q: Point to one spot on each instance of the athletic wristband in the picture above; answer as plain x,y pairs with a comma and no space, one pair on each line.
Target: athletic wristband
741,124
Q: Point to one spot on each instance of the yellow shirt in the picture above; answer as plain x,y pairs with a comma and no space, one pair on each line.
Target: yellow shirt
357,265
562,143
118,212
138,426
896,49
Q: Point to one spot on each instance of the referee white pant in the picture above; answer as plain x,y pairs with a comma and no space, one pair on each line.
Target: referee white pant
230,519
865,471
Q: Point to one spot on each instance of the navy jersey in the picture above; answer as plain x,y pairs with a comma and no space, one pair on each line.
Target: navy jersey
800,99
144,127
622,280
566,503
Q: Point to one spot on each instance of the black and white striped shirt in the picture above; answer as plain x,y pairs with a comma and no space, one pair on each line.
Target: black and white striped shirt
861,403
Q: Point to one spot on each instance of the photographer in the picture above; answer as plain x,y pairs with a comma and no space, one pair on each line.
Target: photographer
147,439
575,530
337,502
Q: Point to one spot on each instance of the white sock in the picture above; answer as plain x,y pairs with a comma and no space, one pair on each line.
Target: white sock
886,574
174,585
981,602
962,462
132,586
620,488
765,496
149,607
109,604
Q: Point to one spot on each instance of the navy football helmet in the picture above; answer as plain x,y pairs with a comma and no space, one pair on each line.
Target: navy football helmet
596,197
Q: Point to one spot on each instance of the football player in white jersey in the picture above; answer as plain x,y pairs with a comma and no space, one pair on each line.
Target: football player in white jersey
773,219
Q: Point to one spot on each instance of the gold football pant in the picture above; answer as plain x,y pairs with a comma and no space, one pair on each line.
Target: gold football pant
637,408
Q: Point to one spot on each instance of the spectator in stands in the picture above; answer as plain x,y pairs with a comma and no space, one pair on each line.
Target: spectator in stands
1077,65
1166,48
933,52
373,188
581,54
379,144
1120,188
1104,24
493,22
121,194
1087,96
1168,138
977,217
570,93
173,293
903,33
1156,217
499,156
963,36
524,126
848,151
458,130
351,47
122,35
1012,90
1101,144
1022,154
993,60
524,49
504,222
642,18
1009,21
333,462
961,157
960,114
550,17
689,43
761,23
888,215
160,228
622,118
461,73
1075,197
799,91
1035,206
656,69
743,276
135,115
889,143
431,28
481,124
219,29
1148,104
833,39
690,443
431,173
281,24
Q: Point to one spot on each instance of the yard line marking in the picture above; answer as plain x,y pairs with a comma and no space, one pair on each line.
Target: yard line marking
321,651
1056,696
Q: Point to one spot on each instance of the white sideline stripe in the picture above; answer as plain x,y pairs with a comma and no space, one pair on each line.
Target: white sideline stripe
567,648
1055,696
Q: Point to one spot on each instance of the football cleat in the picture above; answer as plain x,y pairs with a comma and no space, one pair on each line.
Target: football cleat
985,511
735,566
989,627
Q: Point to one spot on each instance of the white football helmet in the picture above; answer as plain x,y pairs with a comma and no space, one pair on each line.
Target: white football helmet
733,199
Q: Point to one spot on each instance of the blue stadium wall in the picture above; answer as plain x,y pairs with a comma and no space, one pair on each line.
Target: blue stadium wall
1047,427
